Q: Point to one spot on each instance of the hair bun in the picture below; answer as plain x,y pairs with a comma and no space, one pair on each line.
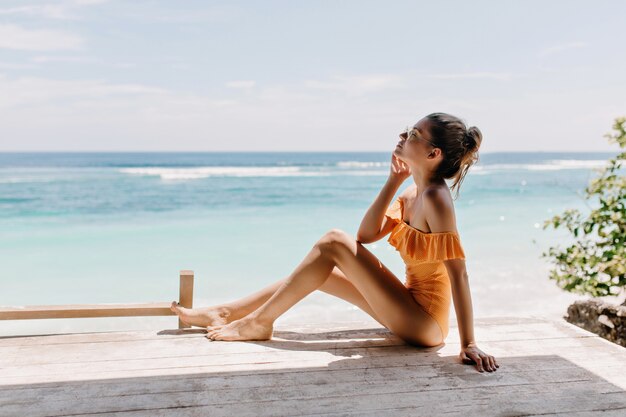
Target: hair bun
473,138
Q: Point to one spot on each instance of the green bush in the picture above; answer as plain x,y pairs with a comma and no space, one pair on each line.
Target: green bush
595,263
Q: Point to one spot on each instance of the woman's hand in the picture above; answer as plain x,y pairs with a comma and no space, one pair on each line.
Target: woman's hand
399,170
471,355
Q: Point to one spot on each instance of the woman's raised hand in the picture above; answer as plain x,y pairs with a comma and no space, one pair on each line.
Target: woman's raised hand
399,169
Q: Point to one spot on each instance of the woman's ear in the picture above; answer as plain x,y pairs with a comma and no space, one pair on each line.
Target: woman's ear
434,153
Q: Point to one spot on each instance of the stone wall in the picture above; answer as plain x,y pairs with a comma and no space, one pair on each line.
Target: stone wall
604,319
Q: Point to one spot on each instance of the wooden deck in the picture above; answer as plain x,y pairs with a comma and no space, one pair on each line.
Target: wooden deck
546,368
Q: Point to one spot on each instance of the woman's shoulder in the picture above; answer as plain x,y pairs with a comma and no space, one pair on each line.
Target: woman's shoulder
438,195
439,208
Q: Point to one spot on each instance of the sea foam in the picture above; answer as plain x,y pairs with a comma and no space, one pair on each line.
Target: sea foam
174,174
551,165
205,172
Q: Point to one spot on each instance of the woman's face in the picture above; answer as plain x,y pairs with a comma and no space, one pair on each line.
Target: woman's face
415,147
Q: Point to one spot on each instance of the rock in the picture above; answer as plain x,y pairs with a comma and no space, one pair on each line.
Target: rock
604,319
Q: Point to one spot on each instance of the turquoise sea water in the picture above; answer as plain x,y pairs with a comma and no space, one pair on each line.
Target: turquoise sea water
117,227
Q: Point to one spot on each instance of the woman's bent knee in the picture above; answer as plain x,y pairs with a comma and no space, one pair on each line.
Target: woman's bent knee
334,238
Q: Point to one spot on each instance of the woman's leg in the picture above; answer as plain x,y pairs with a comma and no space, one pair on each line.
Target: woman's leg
336,284
384,293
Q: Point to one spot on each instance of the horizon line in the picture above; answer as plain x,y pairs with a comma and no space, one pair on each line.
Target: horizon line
279,151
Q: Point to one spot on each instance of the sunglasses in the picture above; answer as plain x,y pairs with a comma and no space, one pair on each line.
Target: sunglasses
409,133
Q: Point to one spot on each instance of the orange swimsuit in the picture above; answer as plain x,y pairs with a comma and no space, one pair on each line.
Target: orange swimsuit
423,253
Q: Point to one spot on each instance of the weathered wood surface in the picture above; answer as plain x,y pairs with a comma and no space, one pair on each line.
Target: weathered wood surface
351,369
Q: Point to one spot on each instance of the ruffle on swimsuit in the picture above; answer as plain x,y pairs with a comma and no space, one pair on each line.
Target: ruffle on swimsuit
420,246
423,254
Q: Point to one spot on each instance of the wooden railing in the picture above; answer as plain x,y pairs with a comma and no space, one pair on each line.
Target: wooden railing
185,298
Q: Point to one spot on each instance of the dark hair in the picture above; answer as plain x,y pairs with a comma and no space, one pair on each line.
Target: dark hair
459,145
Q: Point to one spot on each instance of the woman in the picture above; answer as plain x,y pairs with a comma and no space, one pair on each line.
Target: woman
423,229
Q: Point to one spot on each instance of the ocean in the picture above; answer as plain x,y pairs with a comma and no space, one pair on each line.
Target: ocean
79,228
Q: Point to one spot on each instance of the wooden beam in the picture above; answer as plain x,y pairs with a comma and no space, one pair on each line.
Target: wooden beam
68,311
185,296
84,310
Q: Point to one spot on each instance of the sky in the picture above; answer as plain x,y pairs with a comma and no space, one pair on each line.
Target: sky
93,75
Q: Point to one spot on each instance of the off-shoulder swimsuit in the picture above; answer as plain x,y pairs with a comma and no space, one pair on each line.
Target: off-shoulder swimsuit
423,253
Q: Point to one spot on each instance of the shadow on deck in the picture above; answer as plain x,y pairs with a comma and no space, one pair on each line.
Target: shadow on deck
546,367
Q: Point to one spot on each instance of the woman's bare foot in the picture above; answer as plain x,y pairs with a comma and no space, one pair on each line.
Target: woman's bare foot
246,328
202,317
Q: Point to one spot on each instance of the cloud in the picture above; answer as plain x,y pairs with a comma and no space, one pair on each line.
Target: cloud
63,10
503,76
63,58
562,47
33,91
241,84
16,66
209,12
96,114
39,61
16,37
52,11
357,84
103,115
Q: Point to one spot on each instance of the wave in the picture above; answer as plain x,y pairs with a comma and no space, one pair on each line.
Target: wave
578,163
206,172
21,180
341,168
552,165
360,164
549,165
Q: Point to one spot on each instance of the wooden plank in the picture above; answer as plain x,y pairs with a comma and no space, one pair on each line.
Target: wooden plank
288,377
95,337
473,402
255,362
85,310
540,331
431,377
516,372
419,411
341,397
618,412
447,365
200,346
127,358
510,327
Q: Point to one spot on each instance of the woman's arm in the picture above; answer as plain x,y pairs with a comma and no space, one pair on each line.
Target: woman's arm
459,283
440,217
370,229
372,226
462,299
